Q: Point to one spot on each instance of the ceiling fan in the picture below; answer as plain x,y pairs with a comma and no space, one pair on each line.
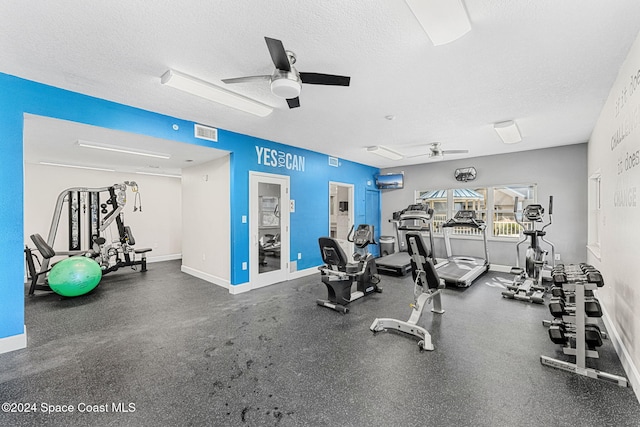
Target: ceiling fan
436,152
286,80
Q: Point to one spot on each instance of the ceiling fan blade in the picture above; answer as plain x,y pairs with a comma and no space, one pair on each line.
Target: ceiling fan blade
246,79
324,79
293,102
416,155
454,151
278,54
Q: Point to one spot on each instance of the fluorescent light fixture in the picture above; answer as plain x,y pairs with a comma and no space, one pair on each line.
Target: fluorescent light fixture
385,152
508,131
203,89
76,167
160,174
443,20
120,149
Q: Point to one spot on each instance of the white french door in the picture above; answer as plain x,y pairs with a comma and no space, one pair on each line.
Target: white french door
268,229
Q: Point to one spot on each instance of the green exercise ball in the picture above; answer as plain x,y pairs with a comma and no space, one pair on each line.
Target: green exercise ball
74,276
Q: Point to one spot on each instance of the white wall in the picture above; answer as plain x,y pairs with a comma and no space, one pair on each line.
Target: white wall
614,150
157,226
206,220
560,172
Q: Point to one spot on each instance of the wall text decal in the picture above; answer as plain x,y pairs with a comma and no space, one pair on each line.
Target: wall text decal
279,159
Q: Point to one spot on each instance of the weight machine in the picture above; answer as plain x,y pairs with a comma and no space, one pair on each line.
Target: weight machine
85,210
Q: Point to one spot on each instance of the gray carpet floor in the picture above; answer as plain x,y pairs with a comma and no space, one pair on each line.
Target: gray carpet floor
164,348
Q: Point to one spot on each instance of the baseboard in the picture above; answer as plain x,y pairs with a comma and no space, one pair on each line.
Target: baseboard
500,268
160,258
303,273
14,342
205,276
240,289
246,287
625,358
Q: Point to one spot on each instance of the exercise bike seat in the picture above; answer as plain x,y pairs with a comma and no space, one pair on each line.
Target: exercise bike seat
334,257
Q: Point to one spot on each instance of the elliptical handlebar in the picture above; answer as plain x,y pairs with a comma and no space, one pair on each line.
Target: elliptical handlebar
350,234
515,213
550,213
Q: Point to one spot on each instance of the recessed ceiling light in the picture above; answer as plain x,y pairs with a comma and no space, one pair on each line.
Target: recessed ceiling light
385,152
508,132
120,149
443,20
159,174
62,165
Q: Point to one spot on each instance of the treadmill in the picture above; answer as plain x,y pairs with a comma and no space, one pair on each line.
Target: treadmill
461,270
416,217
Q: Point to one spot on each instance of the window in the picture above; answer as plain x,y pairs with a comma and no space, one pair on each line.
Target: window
504,199
470,199
482,200
436,200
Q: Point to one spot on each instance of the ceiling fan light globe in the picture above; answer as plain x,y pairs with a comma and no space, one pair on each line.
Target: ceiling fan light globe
285,88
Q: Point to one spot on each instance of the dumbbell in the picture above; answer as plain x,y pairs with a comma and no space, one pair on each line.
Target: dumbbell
558,307
567,296
560,333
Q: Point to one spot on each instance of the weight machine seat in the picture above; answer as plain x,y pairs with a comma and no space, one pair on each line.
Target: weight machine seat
47,251
422,269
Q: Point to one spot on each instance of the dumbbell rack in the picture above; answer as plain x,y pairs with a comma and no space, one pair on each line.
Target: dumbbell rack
578,283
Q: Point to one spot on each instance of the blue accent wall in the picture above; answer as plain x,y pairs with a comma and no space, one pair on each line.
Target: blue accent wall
309,174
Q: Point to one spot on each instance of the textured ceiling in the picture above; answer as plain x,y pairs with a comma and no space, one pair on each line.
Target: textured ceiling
547,64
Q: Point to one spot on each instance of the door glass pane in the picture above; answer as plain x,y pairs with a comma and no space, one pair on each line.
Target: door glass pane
268,227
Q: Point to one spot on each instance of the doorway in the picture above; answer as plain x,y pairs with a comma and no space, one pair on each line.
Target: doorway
269,229
341,216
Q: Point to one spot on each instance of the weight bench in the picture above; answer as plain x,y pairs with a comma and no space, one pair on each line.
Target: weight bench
427,288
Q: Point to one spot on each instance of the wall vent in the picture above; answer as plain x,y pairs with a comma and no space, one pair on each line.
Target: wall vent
333,161
205,132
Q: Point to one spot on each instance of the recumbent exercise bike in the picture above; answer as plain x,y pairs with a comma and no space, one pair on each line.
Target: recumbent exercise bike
338,274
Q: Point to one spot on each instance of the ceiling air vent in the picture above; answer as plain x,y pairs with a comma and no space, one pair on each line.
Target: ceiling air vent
205,132
333,161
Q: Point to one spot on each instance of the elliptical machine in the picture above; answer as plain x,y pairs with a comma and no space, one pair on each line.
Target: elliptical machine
527,284
338,274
